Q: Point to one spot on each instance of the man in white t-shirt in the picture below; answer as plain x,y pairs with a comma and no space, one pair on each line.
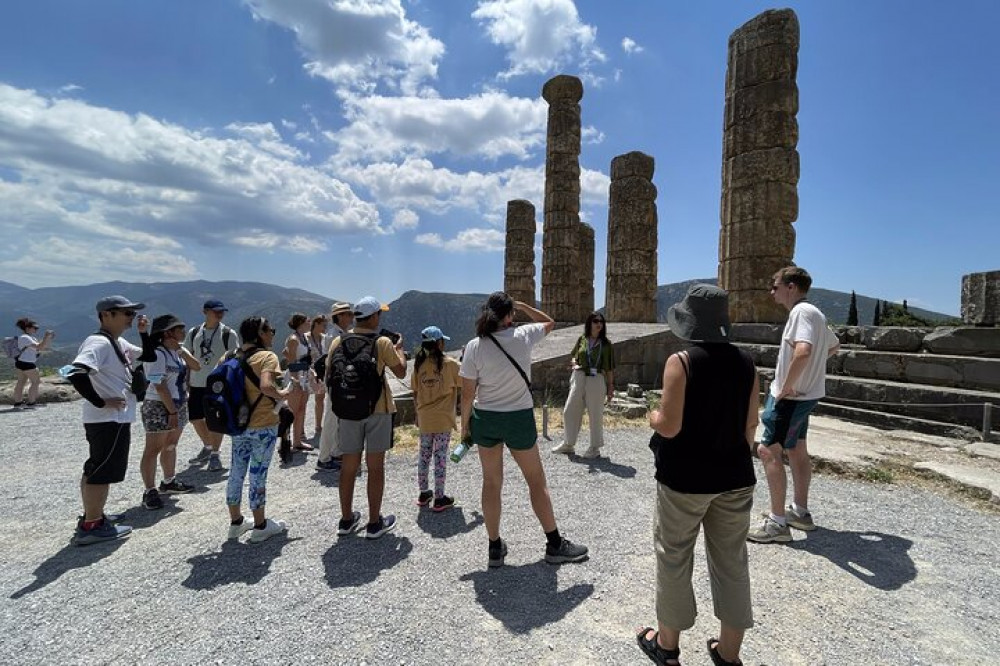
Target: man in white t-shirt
799,383
342,318
207,342
102,374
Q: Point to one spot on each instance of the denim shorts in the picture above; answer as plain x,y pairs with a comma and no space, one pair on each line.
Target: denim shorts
785,421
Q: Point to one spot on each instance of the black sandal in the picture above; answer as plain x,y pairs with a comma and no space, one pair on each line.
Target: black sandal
651,646
713,652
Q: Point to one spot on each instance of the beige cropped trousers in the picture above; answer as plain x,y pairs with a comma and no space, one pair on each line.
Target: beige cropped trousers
585,392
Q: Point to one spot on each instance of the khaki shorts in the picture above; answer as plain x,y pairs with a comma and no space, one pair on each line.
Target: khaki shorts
373,434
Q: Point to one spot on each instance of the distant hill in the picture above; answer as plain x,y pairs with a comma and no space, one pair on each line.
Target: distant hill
834,304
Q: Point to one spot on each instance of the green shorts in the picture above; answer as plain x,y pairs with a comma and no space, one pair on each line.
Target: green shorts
515,429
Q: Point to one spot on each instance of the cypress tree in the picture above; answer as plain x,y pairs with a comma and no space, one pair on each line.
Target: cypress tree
876,320
852,311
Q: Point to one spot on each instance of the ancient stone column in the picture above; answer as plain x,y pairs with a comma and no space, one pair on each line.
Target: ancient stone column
561,224
519,252
981,299
630,293
586,272
760,168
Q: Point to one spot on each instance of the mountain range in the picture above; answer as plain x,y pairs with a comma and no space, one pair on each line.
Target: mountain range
70,310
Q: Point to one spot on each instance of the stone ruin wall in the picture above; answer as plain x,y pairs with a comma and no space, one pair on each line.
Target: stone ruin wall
981,299
760,171
519,252
630,293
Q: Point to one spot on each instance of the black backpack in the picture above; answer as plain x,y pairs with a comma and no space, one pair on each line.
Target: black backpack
353,380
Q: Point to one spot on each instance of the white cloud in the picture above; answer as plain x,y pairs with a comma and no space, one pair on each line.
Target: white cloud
91,173
491,125
69,88
289,124
467,240
405,219
591,135
629,46
357,250
358,43
541,36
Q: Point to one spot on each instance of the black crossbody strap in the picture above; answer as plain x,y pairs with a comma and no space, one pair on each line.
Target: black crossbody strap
524,376
118,351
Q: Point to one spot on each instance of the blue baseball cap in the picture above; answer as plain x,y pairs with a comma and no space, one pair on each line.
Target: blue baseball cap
368,306
433,333
214,304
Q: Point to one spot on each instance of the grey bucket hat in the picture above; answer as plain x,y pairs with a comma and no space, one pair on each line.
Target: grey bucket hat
164,323
703,315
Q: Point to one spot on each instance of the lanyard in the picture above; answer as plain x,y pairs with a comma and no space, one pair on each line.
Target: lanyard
592,358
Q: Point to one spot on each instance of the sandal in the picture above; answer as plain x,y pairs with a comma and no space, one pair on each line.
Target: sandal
651,647
713,652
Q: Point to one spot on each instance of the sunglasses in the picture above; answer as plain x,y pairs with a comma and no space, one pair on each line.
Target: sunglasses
127,313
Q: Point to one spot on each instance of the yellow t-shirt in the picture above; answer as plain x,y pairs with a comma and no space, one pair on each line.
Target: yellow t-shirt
434,394
385,357
264,416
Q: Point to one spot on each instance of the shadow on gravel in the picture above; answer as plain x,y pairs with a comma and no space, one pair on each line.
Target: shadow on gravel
68,558
353,561
881,560
236,562
605,465
139,517
328,478
447,523
526,597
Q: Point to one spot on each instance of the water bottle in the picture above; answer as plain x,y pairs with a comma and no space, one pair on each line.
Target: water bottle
461,449
68,370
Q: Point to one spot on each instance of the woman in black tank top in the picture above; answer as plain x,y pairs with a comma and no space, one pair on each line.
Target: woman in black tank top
703,430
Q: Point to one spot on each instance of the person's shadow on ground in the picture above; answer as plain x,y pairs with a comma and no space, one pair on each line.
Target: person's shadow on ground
880,560
449,523
68,558
139,517
353,560
605,465
526,597
236,562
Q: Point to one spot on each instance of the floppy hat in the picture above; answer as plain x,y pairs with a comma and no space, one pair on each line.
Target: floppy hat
433,333
214,304
341,308
117,303
164,323
368,306
703,315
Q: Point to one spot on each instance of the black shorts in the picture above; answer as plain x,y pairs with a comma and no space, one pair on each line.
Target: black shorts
24,365
109,444
196,405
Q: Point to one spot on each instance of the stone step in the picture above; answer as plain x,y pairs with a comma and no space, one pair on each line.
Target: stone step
915,368
890,421
933,403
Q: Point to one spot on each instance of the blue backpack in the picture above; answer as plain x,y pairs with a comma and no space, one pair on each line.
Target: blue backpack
227,407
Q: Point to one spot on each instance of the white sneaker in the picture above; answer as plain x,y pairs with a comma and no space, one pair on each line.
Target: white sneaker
236,531
565,447
271,527
591,453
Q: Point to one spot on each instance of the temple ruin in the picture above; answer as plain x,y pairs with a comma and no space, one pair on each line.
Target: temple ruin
519,252
630,293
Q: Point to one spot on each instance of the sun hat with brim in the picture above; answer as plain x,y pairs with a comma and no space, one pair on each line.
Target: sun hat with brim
433,333
341,308
703,315
117,303
164,323
368,306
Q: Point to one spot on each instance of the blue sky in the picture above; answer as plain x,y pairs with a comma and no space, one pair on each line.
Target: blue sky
354,147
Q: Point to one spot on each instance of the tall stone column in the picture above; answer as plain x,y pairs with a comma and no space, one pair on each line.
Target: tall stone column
760,169
519,252
586,272
630,294
561,225
981,299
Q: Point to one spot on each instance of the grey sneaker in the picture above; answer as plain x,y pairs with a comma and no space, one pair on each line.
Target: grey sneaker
566,552
202,456
349,525
770,532
214,464
800,521
106,531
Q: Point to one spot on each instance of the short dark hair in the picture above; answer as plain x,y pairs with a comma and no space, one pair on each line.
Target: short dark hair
794,275
297,320
24,323
250,329
495,310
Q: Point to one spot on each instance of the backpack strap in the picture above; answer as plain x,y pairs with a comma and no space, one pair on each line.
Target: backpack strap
226,334
252,376
524,375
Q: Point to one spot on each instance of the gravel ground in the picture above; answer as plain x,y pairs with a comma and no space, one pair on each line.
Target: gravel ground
896,575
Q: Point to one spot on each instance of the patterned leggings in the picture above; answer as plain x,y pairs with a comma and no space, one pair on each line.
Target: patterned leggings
436,444
252,451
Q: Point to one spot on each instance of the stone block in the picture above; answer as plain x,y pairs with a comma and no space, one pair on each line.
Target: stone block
775,26
769,201
765,334
763,132
750,238
964,341
892,338
633,391
632,164
981,299
771,97
562,201
773,164
631,188
563,88
770,62
930,372
755,306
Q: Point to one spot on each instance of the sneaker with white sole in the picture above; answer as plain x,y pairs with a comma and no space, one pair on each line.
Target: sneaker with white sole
271,527
106,531
800,521
591,453
202,456
349,525
236,531
770,532
384,524
565,447
175,487
151,499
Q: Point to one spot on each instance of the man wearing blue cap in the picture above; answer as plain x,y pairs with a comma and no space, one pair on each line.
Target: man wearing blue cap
102,374
208,342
